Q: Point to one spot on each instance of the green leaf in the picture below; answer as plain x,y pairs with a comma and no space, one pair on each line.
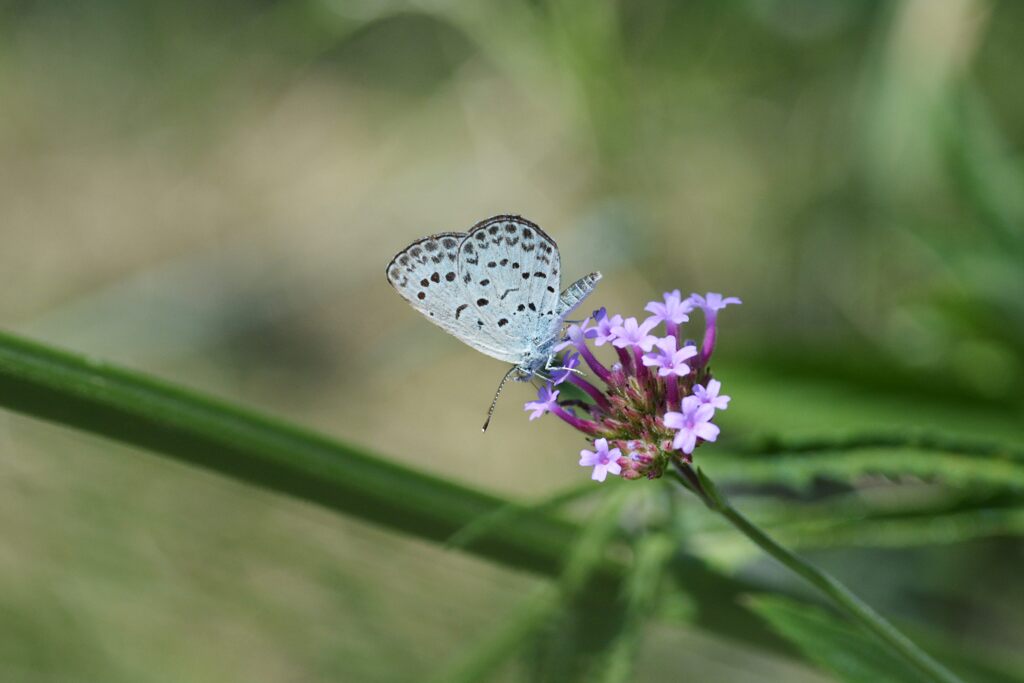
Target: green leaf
893,516
993,470
262,450
590,613
641,592
833,644
481,660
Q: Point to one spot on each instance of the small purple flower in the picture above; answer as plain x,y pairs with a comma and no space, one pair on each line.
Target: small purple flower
633,334
673,310
569,363
572,334
604,332
694,422
709,396
602,460
668,360
575,335
711,302
547,401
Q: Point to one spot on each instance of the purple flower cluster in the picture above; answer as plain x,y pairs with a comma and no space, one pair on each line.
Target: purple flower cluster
659,397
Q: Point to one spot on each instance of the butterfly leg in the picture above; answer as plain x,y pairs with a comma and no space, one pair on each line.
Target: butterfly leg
549,367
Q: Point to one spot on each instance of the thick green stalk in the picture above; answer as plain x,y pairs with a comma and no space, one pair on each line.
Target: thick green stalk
855,608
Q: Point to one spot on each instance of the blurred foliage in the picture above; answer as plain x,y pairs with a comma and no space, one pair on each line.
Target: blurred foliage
209,191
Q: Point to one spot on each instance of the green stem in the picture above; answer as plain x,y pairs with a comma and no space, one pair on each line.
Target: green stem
856,608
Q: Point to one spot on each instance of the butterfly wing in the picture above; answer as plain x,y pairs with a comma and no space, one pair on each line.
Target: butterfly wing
426,274
510,269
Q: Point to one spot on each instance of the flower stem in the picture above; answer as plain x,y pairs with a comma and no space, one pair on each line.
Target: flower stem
854,607
707,345
599,398
599,369
585,426
672,392
638,361
625,359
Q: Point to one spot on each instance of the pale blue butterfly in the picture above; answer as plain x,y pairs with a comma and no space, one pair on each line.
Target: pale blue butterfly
496,288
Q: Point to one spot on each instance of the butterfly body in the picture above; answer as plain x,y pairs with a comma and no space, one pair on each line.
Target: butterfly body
495,287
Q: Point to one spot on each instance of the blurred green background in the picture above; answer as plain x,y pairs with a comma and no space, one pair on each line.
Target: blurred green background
209,192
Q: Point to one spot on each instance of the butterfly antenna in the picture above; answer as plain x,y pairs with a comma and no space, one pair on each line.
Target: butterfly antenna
501,385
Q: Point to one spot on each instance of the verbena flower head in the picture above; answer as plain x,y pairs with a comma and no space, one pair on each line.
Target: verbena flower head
655,404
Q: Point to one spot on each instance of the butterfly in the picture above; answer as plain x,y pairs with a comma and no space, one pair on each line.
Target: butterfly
495,288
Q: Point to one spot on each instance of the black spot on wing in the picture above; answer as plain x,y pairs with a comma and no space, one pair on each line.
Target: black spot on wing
482,302
503,322
458,311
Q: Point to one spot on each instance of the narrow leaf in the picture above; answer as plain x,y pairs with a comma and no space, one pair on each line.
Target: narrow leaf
833,644
642,588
